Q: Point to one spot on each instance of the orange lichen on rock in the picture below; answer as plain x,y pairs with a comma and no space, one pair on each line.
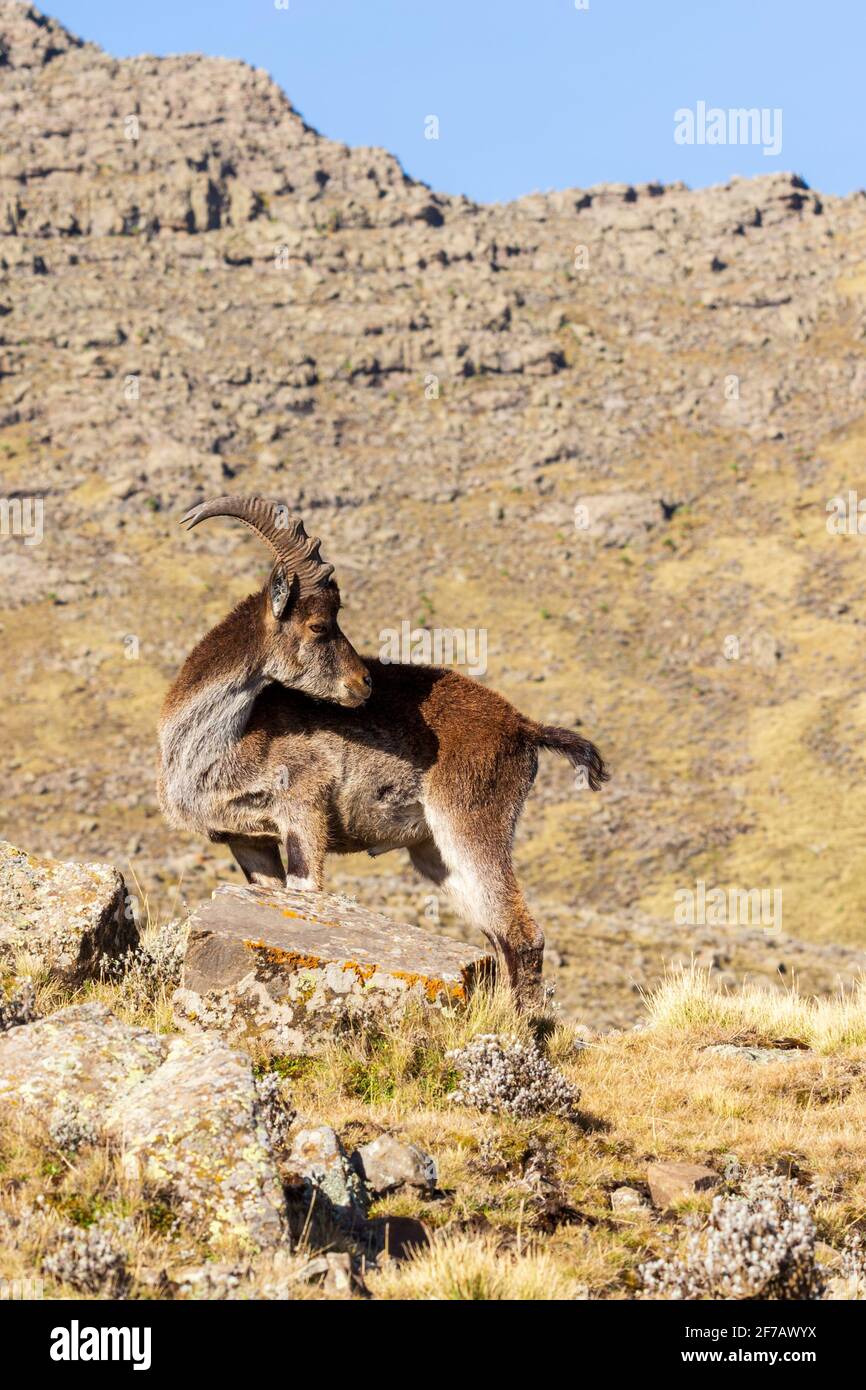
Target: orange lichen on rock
431,986
286,960
363,972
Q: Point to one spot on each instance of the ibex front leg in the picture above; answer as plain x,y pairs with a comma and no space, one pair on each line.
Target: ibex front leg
300,811
305,862
305,837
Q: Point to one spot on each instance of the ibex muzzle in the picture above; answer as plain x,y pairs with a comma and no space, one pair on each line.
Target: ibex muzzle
433,763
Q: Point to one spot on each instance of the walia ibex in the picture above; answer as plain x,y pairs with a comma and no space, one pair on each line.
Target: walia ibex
279,740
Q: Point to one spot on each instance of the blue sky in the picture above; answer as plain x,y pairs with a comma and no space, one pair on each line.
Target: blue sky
540,94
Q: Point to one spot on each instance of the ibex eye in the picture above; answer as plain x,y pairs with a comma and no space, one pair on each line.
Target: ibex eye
318,627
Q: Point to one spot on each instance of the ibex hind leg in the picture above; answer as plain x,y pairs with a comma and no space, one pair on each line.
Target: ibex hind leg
480,881
260,861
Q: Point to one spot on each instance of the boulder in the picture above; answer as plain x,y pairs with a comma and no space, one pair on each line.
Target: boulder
672,1182
184,1114
388,1163
81,1057
193,1128
288,968
69,919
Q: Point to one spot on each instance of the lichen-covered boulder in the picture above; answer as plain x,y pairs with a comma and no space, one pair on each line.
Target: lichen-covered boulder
289,969
184,1114
318,1156
66,918
194,1130
80,1058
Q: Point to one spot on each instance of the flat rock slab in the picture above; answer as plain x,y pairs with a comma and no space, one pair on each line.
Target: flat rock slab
290,968
66,918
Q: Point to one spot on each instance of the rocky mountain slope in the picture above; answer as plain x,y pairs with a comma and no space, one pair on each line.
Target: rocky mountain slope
602,425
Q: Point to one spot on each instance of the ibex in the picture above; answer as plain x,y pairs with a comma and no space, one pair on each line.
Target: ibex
277,739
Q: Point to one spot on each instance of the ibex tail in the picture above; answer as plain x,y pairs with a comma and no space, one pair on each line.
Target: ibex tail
579,751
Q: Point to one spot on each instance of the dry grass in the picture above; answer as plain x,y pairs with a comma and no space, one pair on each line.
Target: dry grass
45,1191
688,1001
523,1207
462,1267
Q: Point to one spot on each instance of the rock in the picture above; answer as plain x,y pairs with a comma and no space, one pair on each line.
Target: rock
338,1278
316,1148
387,1163
184,1113
670,1182
617,518
193,1128
288,969
319,1157
316,1268
764,1056
81,1057
628,1201
213,1280
334,1269
69,919
398,1236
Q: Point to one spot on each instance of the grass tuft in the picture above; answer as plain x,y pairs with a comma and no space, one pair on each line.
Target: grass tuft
687,1002
471,1268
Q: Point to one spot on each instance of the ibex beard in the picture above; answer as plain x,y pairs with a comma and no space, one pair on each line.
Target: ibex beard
278,740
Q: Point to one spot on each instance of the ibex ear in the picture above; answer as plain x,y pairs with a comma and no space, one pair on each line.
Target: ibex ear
281,585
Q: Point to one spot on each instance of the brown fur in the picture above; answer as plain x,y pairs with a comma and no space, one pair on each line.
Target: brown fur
432,762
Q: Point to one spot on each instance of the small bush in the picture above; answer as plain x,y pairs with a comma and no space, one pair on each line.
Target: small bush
88,1261
760,1245
69,1129
149,974
18,1008
276,1114
504,1076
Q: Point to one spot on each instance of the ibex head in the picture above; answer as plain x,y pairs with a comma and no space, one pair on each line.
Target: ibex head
304,647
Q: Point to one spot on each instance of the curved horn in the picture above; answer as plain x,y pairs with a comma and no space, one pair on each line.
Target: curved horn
284,534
